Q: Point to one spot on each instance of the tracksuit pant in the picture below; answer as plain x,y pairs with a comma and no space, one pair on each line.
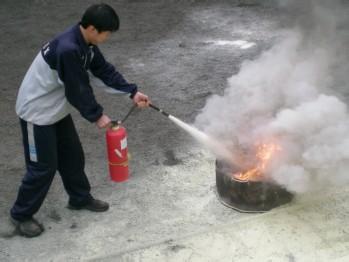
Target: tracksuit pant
47,149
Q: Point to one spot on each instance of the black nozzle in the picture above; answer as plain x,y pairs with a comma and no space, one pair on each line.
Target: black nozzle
158,109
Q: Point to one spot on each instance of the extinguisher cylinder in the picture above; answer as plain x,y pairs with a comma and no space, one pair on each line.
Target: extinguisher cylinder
116,139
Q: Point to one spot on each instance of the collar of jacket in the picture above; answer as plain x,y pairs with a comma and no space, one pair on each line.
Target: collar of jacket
80,38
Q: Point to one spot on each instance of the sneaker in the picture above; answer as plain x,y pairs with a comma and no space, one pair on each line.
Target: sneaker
94,205
28,228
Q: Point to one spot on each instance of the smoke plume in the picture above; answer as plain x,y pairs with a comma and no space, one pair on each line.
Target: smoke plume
294,94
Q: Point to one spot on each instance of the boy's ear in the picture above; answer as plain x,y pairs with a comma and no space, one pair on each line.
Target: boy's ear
91,28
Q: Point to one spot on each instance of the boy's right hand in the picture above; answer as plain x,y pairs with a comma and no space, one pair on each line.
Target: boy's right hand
103,122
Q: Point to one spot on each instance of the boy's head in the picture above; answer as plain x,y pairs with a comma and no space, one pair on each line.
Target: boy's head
98,22
102,17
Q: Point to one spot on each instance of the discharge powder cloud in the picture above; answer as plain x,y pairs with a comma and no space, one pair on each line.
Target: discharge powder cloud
296,94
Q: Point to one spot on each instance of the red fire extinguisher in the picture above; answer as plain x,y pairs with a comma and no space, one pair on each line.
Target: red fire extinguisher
117,153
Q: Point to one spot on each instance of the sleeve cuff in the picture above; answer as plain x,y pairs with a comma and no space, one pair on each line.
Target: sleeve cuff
133,92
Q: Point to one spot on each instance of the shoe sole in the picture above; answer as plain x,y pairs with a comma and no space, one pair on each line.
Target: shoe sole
24,233
87,208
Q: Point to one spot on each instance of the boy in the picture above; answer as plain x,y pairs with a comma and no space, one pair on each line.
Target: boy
56,80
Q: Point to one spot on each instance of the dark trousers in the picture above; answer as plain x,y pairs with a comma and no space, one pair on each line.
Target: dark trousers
47,149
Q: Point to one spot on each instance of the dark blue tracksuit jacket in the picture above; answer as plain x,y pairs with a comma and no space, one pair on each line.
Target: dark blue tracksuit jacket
58,78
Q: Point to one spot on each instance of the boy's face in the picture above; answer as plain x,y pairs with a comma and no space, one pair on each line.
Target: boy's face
96,37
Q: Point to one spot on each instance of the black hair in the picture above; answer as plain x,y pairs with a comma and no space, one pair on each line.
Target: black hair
102,17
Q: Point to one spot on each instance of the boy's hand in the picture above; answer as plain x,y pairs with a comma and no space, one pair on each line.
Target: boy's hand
141,99
103,122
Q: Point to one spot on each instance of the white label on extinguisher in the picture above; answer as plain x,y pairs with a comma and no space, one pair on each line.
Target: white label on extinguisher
123,143
118,153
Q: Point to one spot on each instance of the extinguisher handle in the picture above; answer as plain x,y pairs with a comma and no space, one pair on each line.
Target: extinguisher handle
115,123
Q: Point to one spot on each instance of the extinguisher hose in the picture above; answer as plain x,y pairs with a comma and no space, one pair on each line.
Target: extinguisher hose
129,113
159,110
119,122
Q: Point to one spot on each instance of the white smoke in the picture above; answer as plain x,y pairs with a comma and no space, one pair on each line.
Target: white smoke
294,94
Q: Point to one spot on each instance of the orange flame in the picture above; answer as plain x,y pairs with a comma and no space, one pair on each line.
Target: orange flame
263,155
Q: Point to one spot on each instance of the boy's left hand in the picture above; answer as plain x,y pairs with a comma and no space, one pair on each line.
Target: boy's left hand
141,100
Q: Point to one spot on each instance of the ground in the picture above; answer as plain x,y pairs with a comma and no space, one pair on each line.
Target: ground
168,209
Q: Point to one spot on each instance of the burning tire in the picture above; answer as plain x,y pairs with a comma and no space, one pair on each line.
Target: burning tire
258,195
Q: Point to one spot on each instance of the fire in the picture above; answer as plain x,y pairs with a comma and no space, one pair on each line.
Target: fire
264,153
